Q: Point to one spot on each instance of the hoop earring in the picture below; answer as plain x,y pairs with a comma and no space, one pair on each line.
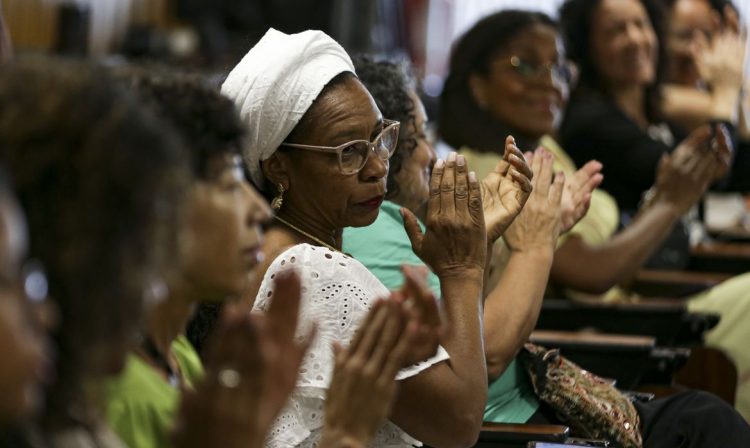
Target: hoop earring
278,201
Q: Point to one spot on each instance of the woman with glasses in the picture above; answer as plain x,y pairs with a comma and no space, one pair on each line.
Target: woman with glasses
475,94
319,148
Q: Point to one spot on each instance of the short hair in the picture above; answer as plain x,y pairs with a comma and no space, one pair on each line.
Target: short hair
207,121
101,182
576,17
390,83
462,122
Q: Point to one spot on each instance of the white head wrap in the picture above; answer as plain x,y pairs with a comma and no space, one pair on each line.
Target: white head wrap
275,84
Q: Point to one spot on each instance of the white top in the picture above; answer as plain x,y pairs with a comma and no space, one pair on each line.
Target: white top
337,292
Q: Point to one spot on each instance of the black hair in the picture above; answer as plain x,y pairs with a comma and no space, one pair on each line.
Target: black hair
207,121
461,121
101,183
390,83
576,17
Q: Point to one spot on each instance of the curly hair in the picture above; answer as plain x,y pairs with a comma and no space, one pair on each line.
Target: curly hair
461,121
576,17
207,121
390,83
101,183
210,127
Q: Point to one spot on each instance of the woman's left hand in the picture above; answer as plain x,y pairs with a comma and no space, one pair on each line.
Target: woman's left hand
424,310
505,191
576,197
252,365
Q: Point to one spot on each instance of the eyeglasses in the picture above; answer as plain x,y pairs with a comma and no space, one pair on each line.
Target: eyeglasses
353,155
561,71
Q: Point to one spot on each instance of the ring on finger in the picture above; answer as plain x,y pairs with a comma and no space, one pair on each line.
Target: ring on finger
229,378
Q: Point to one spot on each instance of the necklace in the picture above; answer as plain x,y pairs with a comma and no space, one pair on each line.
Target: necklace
149,347
302,232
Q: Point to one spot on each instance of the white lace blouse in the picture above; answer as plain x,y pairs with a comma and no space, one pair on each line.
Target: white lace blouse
337,292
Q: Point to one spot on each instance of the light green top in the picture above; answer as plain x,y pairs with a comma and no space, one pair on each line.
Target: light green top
141,405
383,247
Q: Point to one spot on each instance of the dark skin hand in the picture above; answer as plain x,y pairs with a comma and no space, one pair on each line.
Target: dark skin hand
364,379
682,178
251,368
454,245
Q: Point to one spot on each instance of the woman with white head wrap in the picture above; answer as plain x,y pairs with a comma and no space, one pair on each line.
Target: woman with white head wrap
319,147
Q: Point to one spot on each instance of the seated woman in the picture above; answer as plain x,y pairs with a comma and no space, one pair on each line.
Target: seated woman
614,114
483,72
220,246
24,320
704,77
72,141
676,187
320,145
512,306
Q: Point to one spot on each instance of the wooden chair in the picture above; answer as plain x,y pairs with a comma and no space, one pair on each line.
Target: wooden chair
666,320
506,435
720,257
674,284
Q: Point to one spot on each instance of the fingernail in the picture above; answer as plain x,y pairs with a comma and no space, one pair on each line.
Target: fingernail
452,157
440,163
472,176
460,160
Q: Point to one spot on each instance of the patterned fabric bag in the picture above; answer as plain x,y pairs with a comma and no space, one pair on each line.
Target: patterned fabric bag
592,407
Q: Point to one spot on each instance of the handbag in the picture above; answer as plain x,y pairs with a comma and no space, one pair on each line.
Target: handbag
591,406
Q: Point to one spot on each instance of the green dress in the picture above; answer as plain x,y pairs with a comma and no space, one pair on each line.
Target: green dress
383,247
141,405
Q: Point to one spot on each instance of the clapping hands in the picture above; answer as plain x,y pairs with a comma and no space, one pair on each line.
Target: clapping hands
576,197
251,368
538,225
456,237
505,190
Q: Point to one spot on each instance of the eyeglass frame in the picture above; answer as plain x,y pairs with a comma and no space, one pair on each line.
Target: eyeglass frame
387,125
560,71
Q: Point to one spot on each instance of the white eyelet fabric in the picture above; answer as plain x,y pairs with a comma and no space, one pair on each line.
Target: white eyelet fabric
337,292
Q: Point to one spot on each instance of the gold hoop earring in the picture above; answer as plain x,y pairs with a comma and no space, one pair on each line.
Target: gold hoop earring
278,201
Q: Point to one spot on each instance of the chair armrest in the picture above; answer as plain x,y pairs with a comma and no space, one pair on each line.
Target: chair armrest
593,341
662,319
728,258
508,434
630,360
674,283
738,233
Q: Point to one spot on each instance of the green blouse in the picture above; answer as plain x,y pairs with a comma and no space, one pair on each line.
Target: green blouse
141,405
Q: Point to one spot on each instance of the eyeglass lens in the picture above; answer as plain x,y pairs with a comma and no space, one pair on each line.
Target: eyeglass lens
354,156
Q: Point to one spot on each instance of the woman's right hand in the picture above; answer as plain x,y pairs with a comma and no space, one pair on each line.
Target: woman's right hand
455,237
364,385
684,176
538,224
721,62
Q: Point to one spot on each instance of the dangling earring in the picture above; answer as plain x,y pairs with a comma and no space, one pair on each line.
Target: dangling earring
278,201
